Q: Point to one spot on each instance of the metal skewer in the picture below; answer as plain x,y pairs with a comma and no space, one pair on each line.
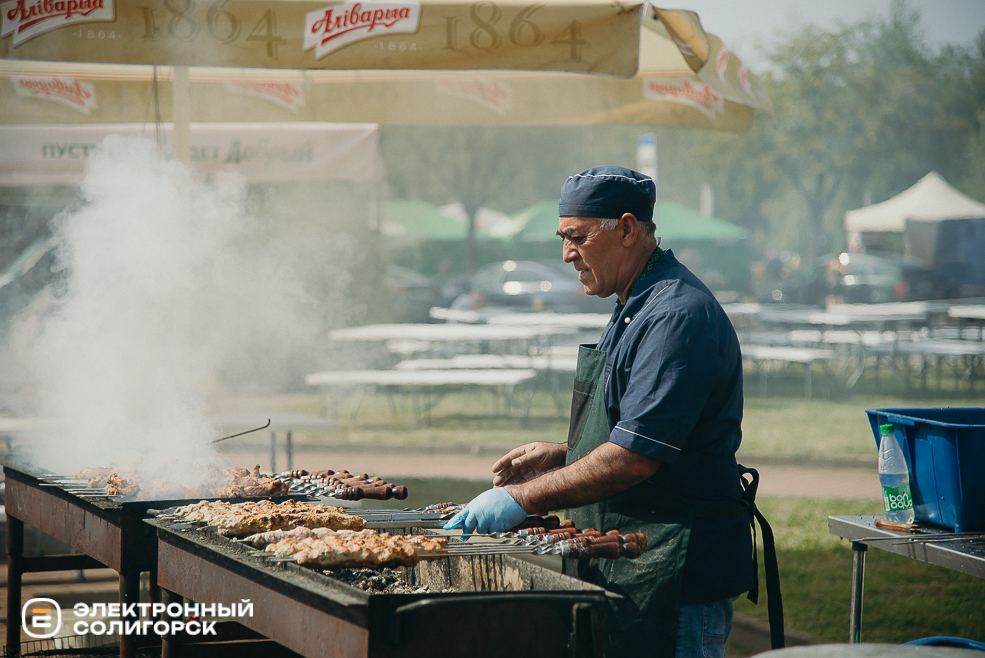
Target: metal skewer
231,436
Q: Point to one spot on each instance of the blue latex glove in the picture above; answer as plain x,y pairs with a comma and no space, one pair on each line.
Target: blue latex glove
491,511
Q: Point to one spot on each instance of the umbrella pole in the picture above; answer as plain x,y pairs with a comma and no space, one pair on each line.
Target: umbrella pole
181,97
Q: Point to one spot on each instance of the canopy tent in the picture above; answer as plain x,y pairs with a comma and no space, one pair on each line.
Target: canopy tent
686,78
931,199
915,212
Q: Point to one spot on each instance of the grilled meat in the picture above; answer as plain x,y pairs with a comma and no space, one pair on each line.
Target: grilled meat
117,486
241,519
358,550
230,483
263,539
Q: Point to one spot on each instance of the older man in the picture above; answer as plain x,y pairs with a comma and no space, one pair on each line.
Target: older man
655,425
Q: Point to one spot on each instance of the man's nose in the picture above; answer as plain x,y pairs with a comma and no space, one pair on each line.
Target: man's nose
568,252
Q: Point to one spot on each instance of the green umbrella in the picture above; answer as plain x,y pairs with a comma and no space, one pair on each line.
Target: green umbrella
539,222
418,220
677,223
674,223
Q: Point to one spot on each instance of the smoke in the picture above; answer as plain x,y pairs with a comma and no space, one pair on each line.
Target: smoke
169,283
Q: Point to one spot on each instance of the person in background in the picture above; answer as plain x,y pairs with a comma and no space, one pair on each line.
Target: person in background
655,425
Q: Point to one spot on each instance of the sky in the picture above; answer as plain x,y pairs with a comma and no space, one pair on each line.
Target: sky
745,24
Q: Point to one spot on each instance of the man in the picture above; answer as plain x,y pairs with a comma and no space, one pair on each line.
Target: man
655,425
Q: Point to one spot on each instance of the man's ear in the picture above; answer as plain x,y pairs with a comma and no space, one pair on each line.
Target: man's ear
630,227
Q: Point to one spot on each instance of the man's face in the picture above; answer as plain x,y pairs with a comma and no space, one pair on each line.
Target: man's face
595,252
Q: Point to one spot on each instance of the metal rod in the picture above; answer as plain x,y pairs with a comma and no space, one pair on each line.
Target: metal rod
858,581
938,540
256,429
925,536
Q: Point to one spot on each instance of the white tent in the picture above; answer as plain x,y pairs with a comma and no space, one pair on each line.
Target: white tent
916,212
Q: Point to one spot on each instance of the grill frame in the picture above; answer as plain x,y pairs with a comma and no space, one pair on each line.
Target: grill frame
107,532
315,615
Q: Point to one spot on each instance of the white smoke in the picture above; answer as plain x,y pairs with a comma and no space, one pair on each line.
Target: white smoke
165,287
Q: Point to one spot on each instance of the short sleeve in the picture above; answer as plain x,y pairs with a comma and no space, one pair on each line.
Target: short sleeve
664,376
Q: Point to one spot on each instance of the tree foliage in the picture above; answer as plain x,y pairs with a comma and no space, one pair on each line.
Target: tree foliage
861,113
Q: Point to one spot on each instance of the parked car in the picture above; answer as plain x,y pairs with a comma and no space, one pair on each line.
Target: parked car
855,279
413,294
869,279
536,286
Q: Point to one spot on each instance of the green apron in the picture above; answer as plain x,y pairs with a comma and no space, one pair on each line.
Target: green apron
644,619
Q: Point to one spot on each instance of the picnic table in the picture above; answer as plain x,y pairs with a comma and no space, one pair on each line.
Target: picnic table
963,313
760,354
409,338
425,386
968,354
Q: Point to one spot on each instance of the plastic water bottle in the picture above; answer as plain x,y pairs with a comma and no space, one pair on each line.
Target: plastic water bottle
894,478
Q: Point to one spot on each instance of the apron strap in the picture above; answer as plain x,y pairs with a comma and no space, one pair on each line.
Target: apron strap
774,601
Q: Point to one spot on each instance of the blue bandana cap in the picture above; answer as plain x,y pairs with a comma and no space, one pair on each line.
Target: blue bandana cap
608,192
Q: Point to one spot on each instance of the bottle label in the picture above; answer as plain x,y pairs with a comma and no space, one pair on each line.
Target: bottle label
897,498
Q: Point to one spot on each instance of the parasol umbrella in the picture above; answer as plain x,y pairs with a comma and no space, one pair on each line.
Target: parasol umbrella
595,36
419,220
686,78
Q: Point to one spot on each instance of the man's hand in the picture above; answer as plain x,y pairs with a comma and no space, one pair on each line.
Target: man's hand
527,462
491,511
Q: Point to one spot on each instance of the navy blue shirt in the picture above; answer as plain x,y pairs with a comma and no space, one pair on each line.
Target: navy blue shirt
673,387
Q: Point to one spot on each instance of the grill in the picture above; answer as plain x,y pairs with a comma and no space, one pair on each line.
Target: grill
503,605
107,532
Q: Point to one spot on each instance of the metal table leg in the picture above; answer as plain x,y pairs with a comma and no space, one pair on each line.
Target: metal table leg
129,595
15,555
858,578
170,646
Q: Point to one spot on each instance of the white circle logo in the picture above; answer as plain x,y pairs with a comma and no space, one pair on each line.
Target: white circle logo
42,618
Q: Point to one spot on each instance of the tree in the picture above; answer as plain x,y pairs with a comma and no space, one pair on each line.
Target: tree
862,112
502,168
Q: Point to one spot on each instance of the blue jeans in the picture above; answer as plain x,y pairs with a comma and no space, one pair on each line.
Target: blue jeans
702,629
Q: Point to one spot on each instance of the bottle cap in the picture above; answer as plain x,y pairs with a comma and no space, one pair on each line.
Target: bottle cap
886,429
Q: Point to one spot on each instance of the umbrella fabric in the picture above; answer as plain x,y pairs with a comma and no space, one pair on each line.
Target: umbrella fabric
418,220
595,36
674,87
678,223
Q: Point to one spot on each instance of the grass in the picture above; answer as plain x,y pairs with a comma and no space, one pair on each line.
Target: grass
778,428
903,599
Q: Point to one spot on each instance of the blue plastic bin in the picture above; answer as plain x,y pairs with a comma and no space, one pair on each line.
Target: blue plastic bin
945,454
